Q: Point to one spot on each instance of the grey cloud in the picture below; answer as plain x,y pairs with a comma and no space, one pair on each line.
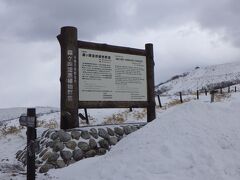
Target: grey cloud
223,17
219,16
41,20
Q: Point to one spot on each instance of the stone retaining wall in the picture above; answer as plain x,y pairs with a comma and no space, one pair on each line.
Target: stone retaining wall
58,148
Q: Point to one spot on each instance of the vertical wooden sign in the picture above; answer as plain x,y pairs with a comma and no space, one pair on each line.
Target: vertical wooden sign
69,77
151,112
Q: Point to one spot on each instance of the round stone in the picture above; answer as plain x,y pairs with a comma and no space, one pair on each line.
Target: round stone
93,133
90,153
110,131
134,128
104,143
103,133
93,130
66,155
118,131
127,130
92,144
50,144
54,136
45,168
75,135
71,145
113,140
85,135
64,136
60,164
53,157
58,146
72,161
46,155
101,151
78,154
83,146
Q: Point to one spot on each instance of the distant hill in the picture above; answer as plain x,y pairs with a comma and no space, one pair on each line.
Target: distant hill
209,77
7,114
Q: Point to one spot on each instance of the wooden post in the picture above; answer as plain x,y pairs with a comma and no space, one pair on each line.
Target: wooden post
151,111
86,115
221,91
69,77
235,89
228,89
159,101
31,136
130,109
197,94
206,92
180,94
212,96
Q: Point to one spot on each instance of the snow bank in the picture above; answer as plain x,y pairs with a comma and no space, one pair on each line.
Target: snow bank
195,140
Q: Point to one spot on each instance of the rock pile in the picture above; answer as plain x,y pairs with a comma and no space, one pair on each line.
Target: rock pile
59,148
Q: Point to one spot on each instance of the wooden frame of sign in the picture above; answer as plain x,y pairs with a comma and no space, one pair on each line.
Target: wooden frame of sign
97,75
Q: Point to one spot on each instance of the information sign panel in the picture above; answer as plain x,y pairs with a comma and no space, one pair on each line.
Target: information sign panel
110,76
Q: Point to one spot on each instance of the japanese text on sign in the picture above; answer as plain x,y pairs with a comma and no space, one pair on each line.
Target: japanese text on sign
71,74
109,76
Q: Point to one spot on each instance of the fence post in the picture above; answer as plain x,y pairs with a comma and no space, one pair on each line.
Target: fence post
206,92
220,90
159,101
212,96
228,89
197,94
31,136
180,94
86,115
130,109
235,89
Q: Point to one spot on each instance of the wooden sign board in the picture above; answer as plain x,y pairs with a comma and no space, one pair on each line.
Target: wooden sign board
95,75
27,121
111,76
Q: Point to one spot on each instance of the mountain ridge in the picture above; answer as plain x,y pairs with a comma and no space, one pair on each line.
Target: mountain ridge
208,77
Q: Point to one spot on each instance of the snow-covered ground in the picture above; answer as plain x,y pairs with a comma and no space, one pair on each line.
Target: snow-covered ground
194,140
202,77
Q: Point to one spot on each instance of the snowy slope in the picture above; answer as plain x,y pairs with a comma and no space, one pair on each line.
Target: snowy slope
192,141
203,77
196,140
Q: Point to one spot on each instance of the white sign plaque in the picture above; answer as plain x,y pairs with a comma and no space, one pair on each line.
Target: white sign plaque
110,76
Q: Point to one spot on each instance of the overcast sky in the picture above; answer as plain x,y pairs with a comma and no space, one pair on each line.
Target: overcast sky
185,34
